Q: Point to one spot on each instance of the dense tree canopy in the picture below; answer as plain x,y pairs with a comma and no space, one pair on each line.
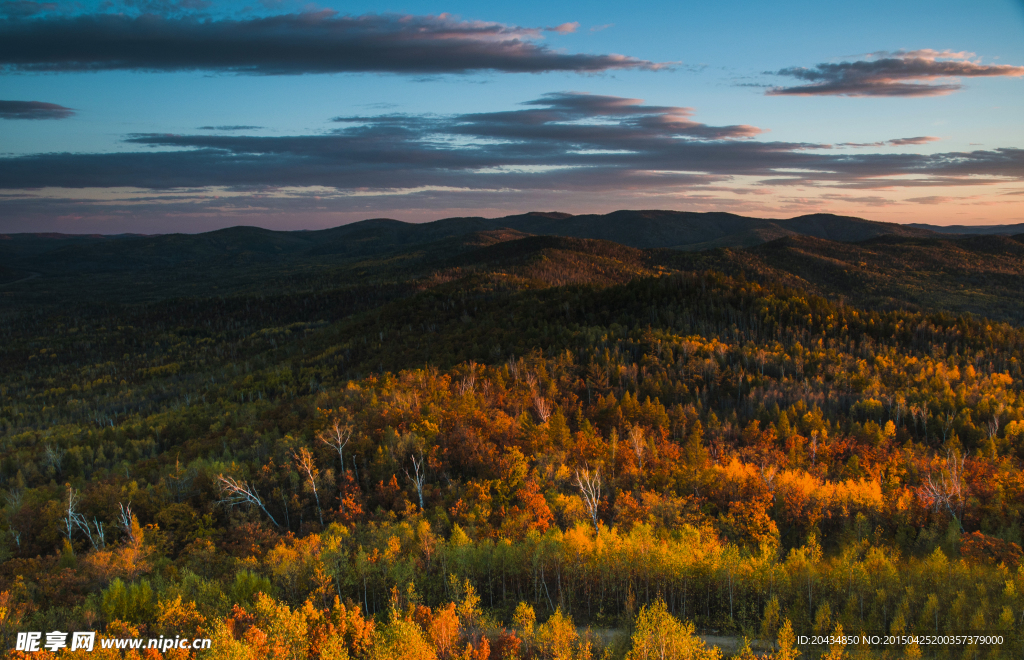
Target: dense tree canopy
473,461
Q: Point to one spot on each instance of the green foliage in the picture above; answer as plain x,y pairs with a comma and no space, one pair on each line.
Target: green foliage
246,587
132,603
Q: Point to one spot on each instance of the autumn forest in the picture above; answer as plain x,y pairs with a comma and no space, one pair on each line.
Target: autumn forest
494,445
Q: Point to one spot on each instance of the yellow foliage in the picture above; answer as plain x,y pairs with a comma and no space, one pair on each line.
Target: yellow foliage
660,636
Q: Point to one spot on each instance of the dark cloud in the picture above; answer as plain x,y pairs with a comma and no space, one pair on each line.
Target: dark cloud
559,143
898,142
924,139
33,110
229,128
25,8
903,73
321,42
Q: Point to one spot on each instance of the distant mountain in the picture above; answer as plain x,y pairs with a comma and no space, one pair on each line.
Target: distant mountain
1005,230
875,264
252,246
696,231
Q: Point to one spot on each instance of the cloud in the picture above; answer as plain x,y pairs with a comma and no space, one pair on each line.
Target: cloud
934,199
924,139
557,144
229,128
565,28
898,142
320,42
901,73
24,8
33,110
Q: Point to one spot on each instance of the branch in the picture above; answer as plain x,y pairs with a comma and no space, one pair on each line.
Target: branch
240,492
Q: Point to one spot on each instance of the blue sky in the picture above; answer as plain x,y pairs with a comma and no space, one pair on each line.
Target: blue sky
296,168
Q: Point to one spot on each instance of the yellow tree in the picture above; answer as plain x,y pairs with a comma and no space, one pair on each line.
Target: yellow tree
787,643
660,636
444,631
837,650
400,639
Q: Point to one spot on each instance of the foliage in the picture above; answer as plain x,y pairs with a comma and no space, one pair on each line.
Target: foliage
467,459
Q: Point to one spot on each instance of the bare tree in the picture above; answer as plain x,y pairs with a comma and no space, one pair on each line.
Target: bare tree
124,521
542,408
71,516
946,488
993,426
53,456
419,477
513,369
947,424
639,444
590,490
469,380
99,539
337,436
75,521
922,412
304,461
901,407
240,492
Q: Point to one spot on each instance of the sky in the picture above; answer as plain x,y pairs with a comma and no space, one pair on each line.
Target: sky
158,116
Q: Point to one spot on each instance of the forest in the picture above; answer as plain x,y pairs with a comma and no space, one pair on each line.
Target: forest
500,446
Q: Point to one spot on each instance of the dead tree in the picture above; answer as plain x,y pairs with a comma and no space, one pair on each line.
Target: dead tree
240,492
590,490
337,437
542,408
75,521
639,444
946,489
419,477
53,456
124,521
305,463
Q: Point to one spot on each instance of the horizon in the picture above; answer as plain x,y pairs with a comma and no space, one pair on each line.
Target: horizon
257,226
287,116
308,229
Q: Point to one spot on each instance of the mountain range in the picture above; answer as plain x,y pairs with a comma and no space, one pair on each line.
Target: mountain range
49,252
875,264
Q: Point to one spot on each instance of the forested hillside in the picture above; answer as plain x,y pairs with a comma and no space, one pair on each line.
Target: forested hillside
500,446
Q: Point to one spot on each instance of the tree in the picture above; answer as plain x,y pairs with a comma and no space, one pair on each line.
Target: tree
787,643
660,636
944,487
418,477
75,521
557,636
128,523
837,650
400,639
590,490
240,492
337,436
304,461
639,444
444,630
